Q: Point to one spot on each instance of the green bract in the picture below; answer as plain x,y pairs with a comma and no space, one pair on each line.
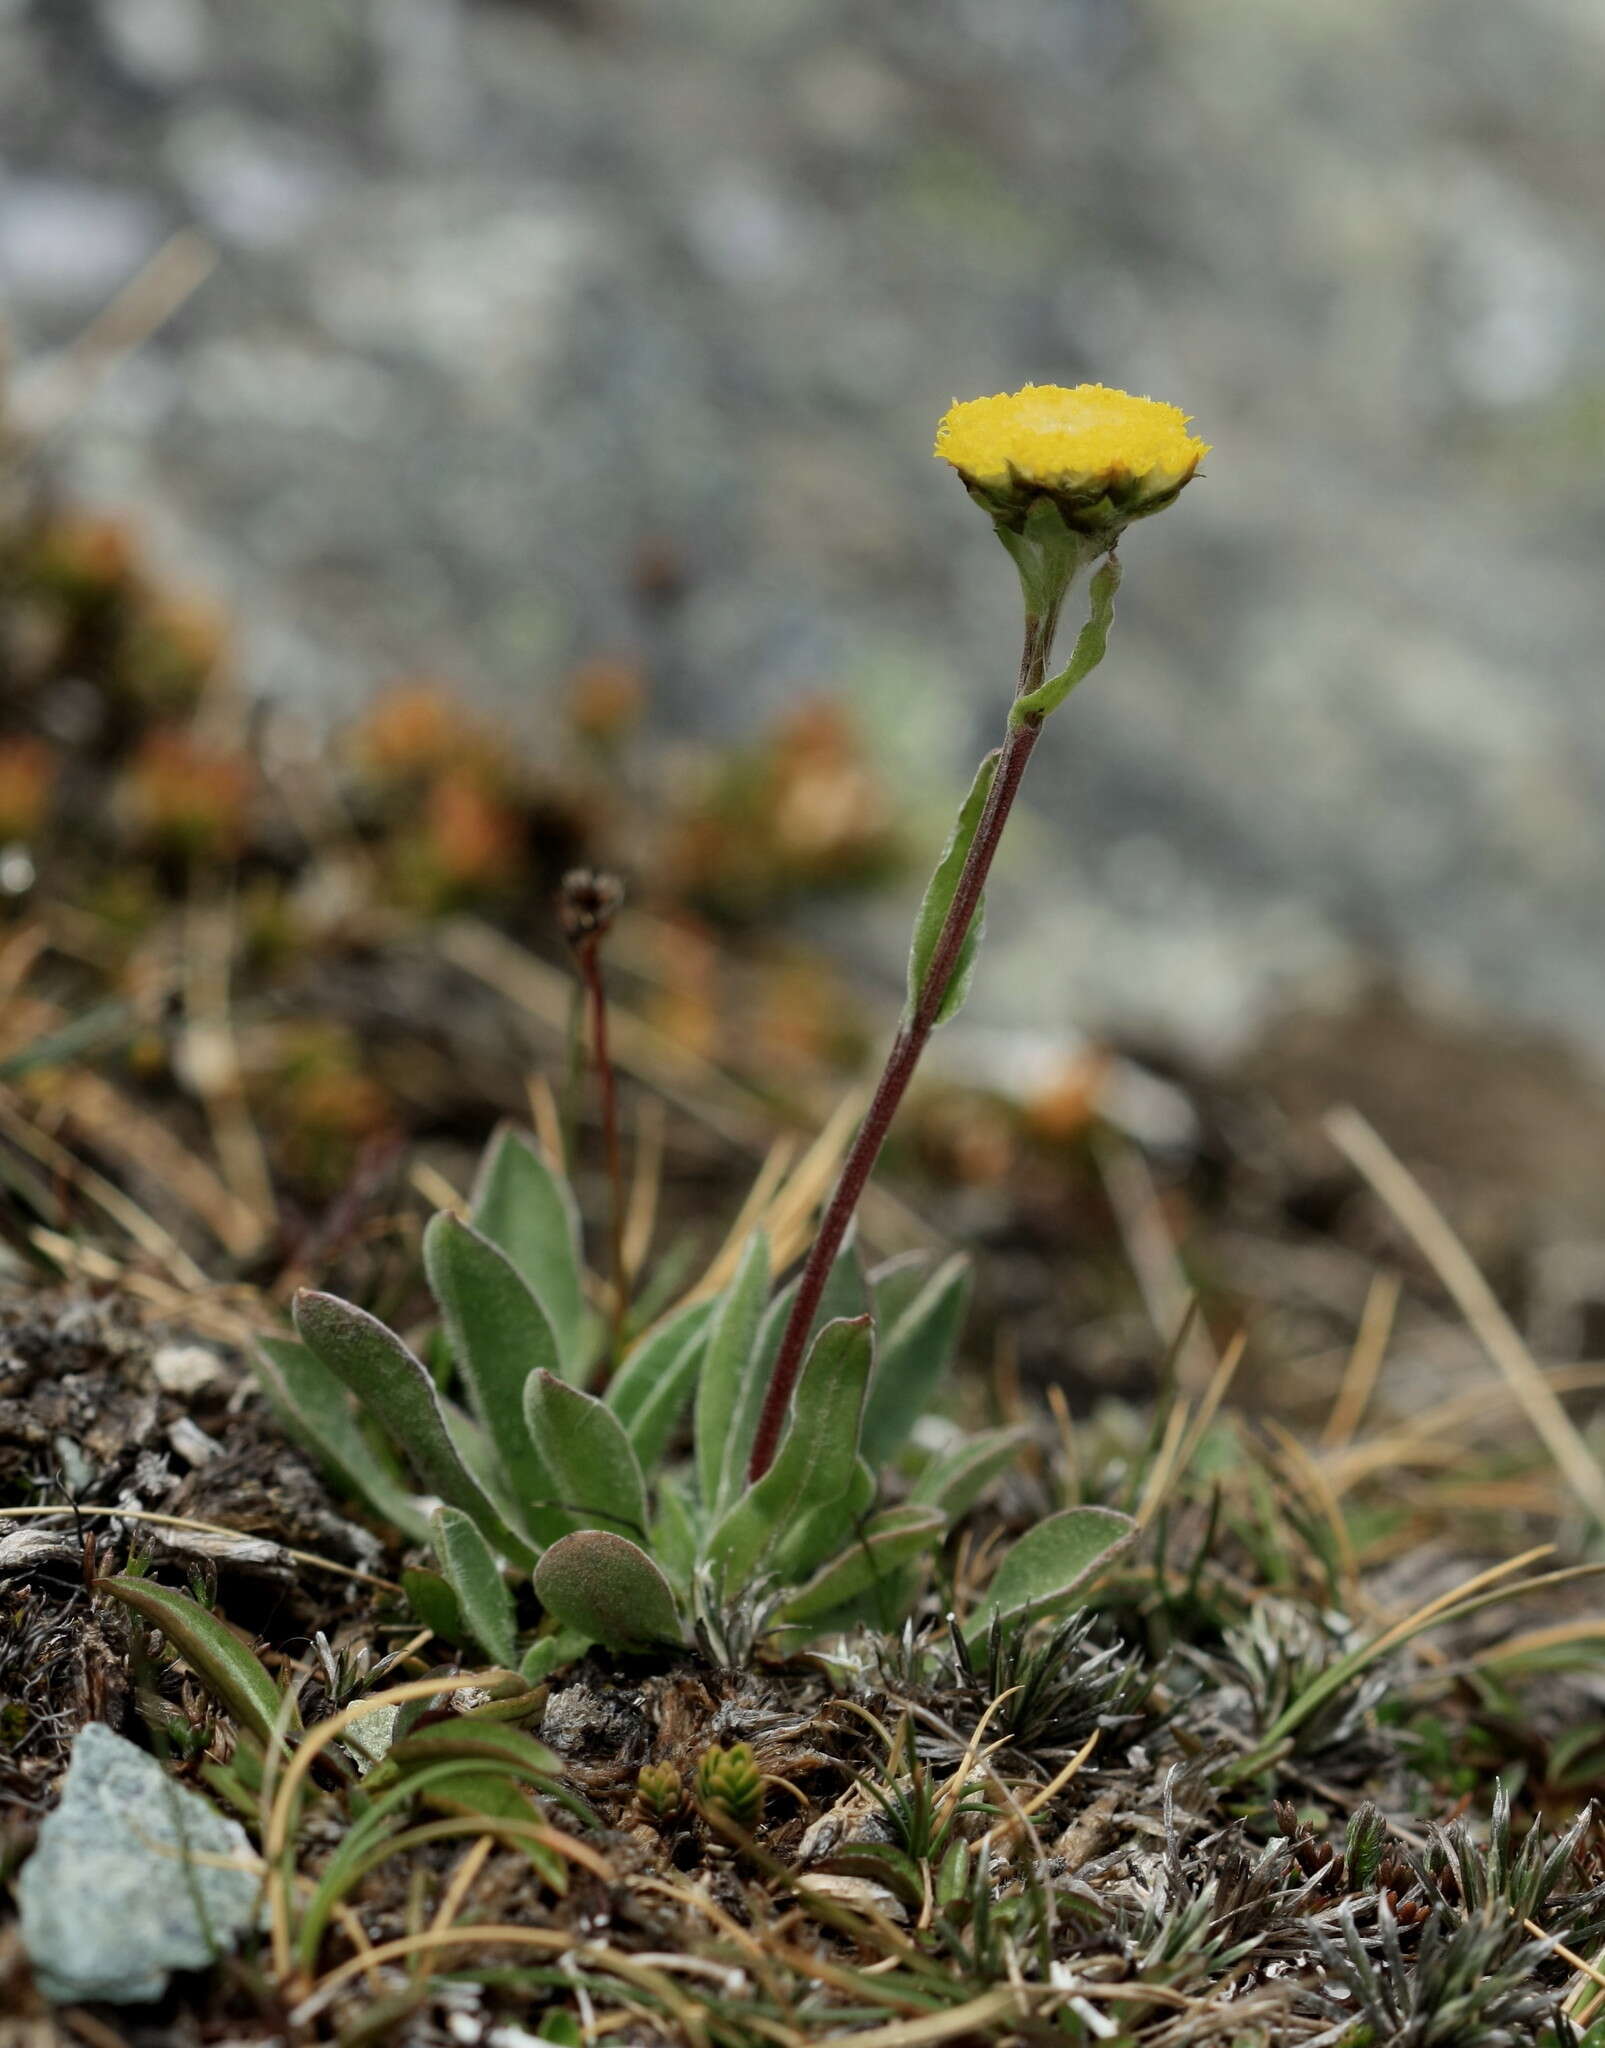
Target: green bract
638,1531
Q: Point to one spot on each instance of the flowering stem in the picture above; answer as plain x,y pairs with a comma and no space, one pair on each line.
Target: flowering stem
915,1030
586,956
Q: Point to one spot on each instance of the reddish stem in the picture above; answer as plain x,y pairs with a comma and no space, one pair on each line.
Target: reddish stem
904,1056
587,954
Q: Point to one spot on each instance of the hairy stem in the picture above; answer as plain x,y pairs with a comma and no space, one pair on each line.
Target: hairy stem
587,954
907,1047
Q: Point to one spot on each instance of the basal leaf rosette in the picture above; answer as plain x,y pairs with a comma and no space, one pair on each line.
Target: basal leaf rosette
1100,458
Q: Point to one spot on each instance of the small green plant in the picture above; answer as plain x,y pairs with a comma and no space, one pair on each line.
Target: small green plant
548,1443
659,1793
637,1533
729,1785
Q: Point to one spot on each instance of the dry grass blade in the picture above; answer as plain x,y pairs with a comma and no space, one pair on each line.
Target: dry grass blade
1458,1271
141,1228
1365,1362
1161,1278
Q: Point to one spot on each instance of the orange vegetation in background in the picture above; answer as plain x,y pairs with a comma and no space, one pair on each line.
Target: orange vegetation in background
605,699
175,645
474,839
410,729
1066,1108
801,810
85,554
186,797
28,769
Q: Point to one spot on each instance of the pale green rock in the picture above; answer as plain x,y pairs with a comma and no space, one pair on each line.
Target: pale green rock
134,1877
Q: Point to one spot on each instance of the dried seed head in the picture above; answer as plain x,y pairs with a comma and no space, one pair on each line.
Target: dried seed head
587,903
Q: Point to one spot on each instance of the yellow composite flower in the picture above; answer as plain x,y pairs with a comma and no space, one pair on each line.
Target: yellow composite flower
1102,457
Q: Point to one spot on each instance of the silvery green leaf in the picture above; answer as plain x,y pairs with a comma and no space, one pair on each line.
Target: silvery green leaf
499,1335
314,1408
434,1603
399,1394
846,1296
957,1478
650,1390
894,1283
886,1542
913,1354
675,1531
608,1589
1042,1573
595,1474
939,894
529,1212
732,1342
550,1653
475,1579
814,1476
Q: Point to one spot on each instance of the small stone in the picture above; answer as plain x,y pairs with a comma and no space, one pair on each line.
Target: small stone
858,1892
185,1368
108,1907
192,1443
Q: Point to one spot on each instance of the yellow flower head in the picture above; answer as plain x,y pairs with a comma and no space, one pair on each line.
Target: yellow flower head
1103,457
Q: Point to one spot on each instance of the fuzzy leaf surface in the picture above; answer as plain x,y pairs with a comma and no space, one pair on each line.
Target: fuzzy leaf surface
793,1516
846,1296
732,1340
434,1603
939,894
398,1392
609,1589
914,1353
1044,1570
596,1476
650,1390
528,1212
475,1578
887,1542
499,1335
957,1478
315,1409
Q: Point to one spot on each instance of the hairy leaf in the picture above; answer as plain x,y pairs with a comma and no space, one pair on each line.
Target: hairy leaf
887,1542
609,1589
793,1506
649,1391
315,1410
1048,1566
434,1603
939,894
846,1295
528,1211
596,1475
476,1580
913,1354
732,1341
499,1335
397,1391
957,1479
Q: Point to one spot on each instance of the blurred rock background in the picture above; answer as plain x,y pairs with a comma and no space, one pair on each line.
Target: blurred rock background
548,329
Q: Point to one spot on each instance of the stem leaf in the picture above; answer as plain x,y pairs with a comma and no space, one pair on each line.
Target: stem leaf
938,901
